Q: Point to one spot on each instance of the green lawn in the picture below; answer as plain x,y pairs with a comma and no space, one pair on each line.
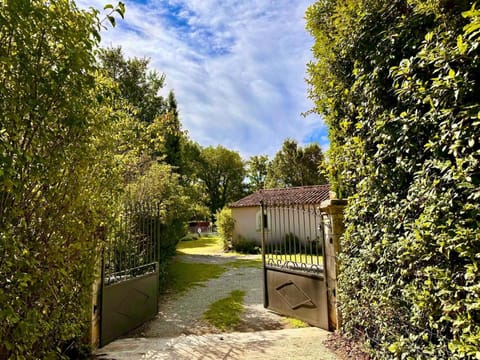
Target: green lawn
213,245
182,275
205,245
226,313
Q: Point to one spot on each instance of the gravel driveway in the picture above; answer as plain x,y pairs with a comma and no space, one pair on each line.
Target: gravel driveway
180,332
183,315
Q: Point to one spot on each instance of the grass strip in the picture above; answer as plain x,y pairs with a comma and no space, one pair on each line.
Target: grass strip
205,245
296,323
182,276
225,313
245,263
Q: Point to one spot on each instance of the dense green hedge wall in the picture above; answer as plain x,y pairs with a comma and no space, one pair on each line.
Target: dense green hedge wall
398,84
56,177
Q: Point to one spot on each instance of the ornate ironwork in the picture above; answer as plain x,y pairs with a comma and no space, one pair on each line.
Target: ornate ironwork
293,237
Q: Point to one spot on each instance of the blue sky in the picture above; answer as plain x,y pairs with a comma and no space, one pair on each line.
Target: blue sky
237,67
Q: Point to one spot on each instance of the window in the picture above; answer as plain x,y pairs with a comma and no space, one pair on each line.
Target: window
266,221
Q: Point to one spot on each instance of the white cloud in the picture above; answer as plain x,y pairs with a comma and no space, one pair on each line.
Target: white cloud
237,67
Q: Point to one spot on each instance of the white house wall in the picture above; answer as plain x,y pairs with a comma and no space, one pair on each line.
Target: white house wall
245,223
303,222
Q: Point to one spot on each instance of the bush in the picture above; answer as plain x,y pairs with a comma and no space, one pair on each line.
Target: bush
225,225
401,99
245,246
295,246
161,186
56,177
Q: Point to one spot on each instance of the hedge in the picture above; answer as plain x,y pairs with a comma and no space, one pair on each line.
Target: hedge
398,84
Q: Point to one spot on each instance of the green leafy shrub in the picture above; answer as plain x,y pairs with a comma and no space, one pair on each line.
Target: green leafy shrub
161,186
293,245
225,225
401,98
57,176
245,246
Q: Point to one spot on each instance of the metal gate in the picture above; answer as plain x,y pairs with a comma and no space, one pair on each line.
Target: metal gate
293,245
130,273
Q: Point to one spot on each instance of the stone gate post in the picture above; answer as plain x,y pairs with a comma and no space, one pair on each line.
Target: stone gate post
332,212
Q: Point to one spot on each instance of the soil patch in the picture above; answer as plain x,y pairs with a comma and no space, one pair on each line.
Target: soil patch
346,349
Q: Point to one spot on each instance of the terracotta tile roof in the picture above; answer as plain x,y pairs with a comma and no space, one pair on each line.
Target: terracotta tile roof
314,194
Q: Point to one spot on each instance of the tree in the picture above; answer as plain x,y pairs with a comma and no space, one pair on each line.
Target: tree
222,173
173,133
257,167
401,100
153,128
295,166
138,86
153,151
57,175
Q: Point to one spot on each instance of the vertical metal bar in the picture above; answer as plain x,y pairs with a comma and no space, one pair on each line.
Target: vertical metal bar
281,231
265,287
130,249
287,232
291,221
102,289
273,225
299,233
152,243
159,234
142,243
119,238
305,213
310,232
275,230
316,234
146,253
132,238
154,233
153,226
324,257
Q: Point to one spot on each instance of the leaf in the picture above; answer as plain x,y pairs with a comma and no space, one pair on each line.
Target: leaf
429,36
393,348
462,47
108,6
121,9
111,19
120,12
451,74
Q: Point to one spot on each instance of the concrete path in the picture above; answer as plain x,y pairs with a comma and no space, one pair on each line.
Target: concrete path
304,343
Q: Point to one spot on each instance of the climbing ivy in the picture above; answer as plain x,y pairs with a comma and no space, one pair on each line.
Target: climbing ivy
398,84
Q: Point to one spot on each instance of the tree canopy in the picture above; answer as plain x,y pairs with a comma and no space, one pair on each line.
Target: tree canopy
222,172
256,170
397,83
138,85
295,166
